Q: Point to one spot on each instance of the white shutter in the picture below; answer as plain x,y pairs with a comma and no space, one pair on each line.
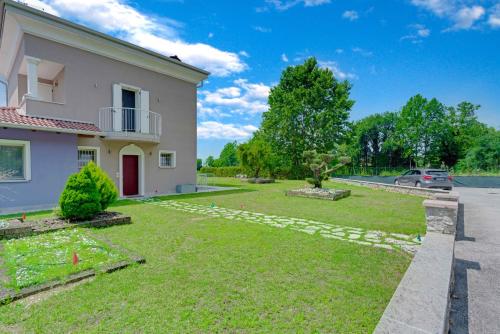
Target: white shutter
144,111
117,105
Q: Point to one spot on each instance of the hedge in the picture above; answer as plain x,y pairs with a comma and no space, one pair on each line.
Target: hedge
222,171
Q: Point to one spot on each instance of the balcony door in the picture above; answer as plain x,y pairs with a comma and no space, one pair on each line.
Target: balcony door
129,110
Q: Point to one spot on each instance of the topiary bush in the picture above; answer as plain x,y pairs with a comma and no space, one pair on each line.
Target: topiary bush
105,186
80,199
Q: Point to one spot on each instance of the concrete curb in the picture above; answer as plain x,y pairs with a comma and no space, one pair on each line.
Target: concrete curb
421,303
424,192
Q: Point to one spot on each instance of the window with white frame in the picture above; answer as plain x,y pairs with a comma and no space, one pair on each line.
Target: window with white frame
87,154
167,159
15,163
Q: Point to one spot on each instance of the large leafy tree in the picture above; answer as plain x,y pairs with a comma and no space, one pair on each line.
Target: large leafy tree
484,155
420,128
255,156
308,110
228,156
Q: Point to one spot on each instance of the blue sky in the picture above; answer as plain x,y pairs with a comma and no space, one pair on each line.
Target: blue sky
389,50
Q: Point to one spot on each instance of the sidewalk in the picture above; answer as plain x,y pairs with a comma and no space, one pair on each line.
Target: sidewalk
475,306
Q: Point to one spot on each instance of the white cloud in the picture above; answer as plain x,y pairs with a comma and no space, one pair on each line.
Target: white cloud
350,15
244,53
339,51
466,17
242,98
363,52
262,29
282,5
494,18
118,18
210,34
337,72
462,15
418,32
284,58
218,130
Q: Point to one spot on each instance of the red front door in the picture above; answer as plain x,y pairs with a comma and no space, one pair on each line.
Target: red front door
130,175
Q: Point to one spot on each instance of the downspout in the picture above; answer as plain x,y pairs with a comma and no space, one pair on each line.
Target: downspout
3,86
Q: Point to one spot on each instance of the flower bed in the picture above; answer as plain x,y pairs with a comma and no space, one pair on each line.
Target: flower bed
15,228
37,263
321,193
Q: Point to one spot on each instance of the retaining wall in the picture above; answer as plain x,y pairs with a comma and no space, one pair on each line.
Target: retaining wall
421,303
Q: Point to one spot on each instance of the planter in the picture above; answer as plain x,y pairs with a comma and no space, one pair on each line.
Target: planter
320,193
259,180
17,229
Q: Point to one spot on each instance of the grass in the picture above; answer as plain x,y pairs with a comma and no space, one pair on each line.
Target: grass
209,275
47,257
366,208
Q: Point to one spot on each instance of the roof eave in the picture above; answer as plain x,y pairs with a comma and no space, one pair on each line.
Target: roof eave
49,129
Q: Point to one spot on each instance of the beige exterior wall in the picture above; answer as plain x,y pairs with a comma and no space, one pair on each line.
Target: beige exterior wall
87,81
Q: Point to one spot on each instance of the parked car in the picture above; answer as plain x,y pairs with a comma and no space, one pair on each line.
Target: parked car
426,178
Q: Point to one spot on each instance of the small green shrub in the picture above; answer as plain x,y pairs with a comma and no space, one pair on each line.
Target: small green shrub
80,199
105,186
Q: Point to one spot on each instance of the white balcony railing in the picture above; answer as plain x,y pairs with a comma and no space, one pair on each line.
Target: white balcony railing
129,121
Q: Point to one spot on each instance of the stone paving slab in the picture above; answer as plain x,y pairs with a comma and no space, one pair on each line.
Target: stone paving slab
355,235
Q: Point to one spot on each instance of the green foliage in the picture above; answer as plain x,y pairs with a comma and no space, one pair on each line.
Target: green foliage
484,156
228,156
308,110
222,171
105,186
320,166
199,163
255,156
80,198
209,162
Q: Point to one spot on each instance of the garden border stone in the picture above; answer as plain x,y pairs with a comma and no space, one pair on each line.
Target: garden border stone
424,192
18,229
332,196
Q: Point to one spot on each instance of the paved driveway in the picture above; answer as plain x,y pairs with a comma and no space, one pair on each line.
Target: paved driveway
476,298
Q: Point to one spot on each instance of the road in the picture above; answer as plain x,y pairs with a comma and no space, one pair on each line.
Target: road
475,306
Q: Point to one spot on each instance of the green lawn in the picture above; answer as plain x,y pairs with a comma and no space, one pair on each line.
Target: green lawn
208,275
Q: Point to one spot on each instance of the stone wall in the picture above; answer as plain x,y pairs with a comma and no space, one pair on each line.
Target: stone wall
421,303
424,192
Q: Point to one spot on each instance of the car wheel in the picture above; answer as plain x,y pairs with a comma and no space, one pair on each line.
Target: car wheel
418,185
396,182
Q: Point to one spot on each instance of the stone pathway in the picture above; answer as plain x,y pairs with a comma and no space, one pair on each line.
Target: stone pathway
350,234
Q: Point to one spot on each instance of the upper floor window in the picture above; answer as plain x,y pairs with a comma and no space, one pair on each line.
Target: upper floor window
87,154
15,164
167,159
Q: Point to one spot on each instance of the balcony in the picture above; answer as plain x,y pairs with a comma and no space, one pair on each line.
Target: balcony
130,124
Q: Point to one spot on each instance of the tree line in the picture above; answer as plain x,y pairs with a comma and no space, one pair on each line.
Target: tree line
309,110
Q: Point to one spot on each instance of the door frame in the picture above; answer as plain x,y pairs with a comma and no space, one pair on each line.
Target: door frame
132,150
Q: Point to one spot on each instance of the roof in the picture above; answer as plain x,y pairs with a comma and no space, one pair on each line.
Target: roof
44,15
10,117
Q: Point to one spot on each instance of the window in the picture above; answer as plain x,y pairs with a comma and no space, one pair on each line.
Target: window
167,159
15,163
87,154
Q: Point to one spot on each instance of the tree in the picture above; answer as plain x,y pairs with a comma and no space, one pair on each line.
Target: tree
199,163
308,109
320,166
255,156
209,162
228,156
485,155
420,129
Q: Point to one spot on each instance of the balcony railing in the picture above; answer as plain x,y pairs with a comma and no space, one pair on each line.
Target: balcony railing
130,122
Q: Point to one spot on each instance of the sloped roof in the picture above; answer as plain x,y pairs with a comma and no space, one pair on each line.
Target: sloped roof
10,117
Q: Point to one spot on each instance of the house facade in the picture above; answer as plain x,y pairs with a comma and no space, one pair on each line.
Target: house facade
75,95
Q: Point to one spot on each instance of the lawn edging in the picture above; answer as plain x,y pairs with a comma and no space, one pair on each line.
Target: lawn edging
421,303
424,192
